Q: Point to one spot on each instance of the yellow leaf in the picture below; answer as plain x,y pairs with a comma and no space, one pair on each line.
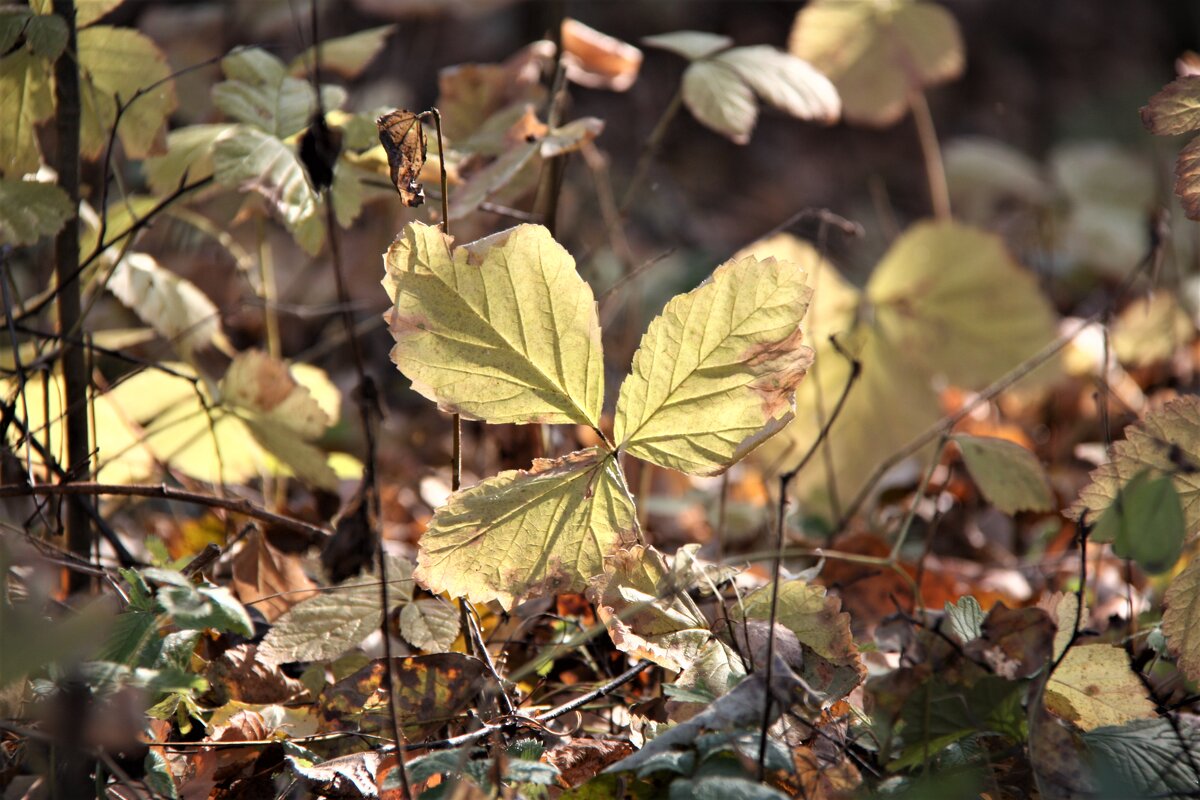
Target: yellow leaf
1181,619
502,329
524,533
877,52
716,372
24,102
807,611
118,63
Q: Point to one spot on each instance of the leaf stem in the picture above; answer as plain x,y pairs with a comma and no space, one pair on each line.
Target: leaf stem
935,170
650,150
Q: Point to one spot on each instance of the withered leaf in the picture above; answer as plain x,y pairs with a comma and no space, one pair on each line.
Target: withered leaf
403,139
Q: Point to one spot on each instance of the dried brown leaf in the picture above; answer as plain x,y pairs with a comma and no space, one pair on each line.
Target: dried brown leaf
403,139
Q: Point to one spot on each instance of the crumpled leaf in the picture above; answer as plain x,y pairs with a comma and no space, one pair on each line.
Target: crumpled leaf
30,210
273,581
1167,441
118,63
877,54
522,533
716,372
403,139
174,306
1015,642
1181,619
431,624
646,616
1009,476
946,300
324,627
251,159
502,329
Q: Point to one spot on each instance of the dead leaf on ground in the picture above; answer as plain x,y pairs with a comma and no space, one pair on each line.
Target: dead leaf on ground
269,579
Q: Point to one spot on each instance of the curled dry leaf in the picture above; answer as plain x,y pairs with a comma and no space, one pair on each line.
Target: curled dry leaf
579,759
403,139
597,60
1016,642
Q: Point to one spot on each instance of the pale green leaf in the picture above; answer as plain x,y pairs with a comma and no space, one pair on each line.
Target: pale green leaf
189,153
1181,619
430,623
1010,477
718,97
25,101
30,210
260,93
716,372
173,306
877,53
647,616
47,36
252,159
13,20
347,192
502,329
692,45
965,618
786,82
118,63
346,56
1166,441
523,533
1145,522
809,612
324,627
1151,329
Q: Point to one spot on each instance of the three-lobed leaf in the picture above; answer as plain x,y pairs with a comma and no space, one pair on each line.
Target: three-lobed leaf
502,330
716,372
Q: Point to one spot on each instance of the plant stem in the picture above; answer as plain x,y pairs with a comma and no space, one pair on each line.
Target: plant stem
650,150
74,366
935,171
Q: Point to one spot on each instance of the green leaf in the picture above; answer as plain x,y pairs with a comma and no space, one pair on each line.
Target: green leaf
809,612
718,97
25,101
1145,522
258,161
13,20
30,210
173,306
1009,476
786,82
716,372
86,11
523,533
118,63
645,615
260,93
189,153
877,54
47,36
692,45
965,618
1148,756
200,606
1175,109
502,329
1167,441
158,776
347,56
323,627
431,624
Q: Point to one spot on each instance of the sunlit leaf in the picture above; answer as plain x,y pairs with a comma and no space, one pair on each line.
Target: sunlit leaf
965,618
877,53
815,617
1167,441
430,623
189,153
716,372
597,60
346,56
523,533
1175,109
645,615
502,329
1010,477
251,159
173,306
718,97
86,11
119,63
1150,329
403,138
692,45
25,101
471,94
30,210
260,93
786,82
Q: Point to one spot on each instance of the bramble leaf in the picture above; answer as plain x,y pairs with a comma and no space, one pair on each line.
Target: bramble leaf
1181,619
25,101
347,56
30,210
118,63
189,152
1175,109
524,533
718,97
877,53
716,372
430,623
692,45
260,93
1009,476
502,329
